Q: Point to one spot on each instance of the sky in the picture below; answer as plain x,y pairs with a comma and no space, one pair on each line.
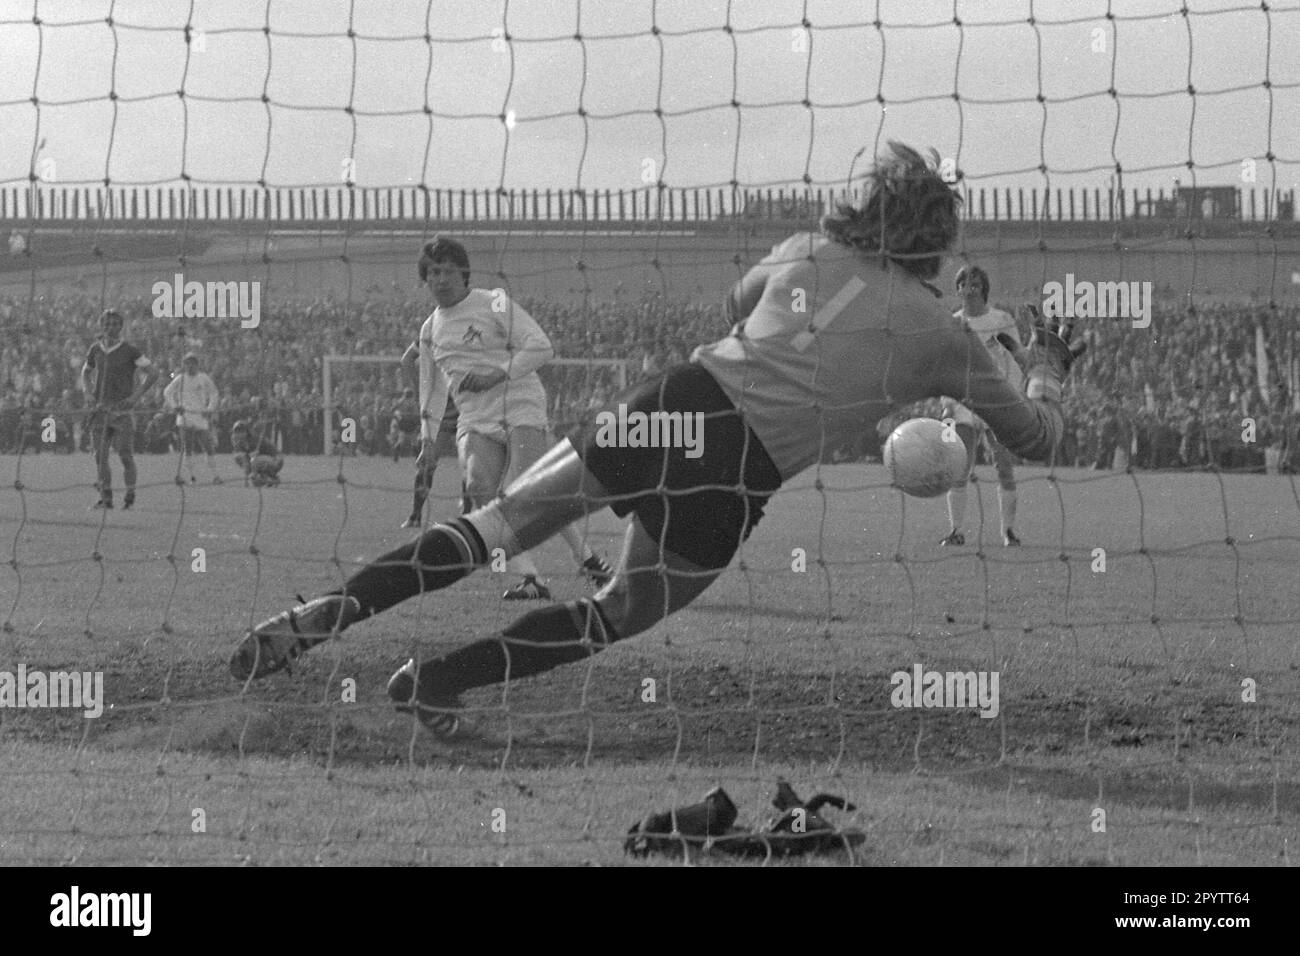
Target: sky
694,105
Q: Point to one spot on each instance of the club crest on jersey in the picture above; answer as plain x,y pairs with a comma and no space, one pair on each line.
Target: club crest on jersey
472,336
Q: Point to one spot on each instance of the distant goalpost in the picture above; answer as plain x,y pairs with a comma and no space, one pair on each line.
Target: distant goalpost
573,385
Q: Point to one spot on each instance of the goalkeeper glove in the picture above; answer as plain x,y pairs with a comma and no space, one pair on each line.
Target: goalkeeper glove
677,829
1048,359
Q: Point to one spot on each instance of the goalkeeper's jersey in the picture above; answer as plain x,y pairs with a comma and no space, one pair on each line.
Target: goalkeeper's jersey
836,339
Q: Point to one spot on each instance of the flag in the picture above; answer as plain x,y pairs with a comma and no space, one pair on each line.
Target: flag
1261,365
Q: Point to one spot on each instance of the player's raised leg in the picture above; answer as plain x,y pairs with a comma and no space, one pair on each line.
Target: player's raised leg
691,515
526,446
444,554
590,565
652,583
483,462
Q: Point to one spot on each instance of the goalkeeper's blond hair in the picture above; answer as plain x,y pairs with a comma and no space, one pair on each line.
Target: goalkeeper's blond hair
909,214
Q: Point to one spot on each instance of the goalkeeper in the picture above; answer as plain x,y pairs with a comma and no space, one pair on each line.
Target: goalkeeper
786,383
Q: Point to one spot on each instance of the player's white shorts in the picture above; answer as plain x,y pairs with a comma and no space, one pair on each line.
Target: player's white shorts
515,404
195,420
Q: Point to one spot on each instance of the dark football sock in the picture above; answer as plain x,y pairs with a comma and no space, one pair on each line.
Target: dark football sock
421,492
537,642
441,556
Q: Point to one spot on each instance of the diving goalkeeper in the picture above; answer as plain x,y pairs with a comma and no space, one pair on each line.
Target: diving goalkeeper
785,384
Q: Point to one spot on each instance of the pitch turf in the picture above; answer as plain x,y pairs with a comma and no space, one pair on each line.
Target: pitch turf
1119,690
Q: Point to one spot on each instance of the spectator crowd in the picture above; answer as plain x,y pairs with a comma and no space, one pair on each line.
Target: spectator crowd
1180,393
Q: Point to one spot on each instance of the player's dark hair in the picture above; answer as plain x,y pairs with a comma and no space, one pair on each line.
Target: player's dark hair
112,314
973,274
909,214
443,249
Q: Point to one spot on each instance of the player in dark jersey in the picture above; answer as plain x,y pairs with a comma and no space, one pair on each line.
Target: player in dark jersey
258,456
833,331
109,378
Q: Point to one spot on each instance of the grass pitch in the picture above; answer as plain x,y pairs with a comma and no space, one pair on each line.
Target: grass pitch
1120,690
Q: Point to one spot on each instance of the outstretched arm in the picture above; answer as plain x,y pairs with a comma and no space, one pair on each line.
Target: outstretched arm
745,294
531,347
1030,424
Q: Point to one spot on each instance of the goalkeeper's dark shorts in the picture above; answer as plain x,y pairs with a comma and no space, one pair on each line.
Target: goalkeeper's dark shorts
700,508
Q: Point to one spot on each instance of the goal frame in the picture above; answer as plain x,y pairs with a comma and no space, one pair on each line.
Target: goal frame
335,358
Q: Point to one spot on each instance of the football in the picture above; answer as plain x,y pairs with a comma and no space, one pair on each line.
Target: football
922,460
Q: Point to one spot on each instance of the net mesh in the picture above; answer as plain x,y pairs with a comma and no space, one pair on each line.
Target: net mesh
1144,638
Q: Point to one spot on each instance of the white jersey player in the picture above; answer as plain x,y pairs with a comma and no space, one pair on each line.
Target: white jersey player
194,397
487,351
988,324
437,433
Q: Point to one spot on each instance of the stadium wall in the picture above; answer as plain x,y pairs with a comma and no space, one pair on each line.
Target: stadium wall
695,264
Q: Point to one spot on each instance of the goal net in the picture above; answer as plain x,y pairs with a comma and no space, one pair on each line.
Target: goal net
254,184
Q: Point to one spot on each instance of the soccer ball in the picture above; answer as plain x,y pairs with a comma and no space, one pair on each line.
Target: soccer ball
920,461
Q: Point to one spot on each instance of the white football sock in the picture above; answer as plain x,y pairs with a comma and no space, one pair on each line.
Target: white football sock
523,564
576,545
957,508
1007,504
